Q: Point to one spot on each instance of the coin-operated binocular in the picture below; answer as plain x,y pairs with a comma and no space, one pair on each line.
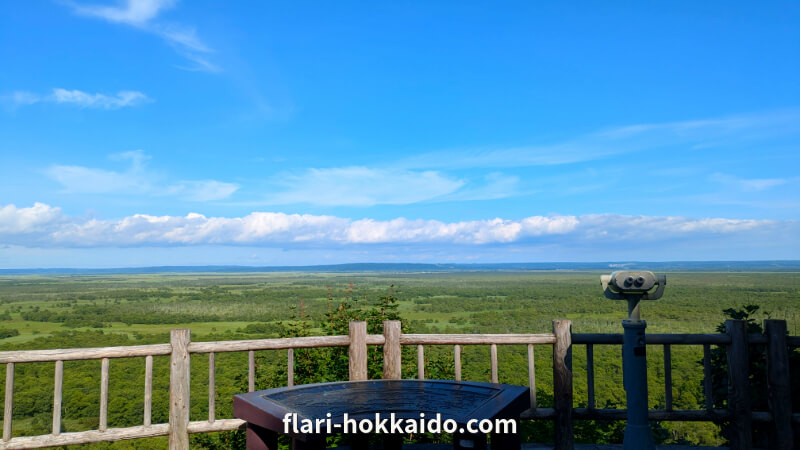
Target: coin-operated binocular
635,286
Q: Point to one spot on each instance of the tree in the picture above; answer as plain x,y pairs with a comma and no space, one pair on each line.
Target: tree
757,374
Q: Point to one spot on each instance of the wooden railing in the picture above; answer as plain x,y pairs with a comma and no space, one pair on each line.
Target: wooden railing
103,433
180,349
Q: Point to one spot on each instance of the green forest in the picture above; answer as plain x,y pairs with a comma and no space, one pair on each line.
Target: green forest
50,311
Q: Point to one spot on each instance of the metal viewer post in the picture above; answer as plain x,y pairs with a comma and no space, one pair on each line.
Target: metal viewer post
635,286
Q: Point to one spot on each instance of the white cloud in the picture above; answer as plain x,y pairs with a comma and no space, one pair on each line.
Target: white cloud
137,179
142,14
80,98
84,99
132,12
36,218
45,226
363,186
641,229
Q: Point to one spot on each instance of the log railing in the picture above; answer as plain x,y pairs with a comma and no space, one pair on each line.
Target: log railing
103,433
180,349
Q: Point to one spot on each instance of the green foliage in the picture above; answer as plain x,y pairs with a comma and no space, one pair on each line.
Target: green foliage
8,332
757,376
593,431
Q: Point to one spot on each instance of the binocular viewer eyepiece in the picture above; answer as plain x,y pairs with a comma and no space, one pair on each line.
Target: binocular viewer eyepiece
623,285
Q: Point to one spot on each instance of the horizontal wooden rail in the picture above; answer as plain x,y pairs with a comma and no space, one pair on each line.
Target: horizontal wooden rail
74,354
476,339
269,344
654,339
278,343
688,415
203,426
87,437
376,339
755,338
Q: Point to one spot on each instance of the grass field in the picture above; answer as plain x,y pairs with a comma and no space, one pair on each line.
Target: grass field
217,302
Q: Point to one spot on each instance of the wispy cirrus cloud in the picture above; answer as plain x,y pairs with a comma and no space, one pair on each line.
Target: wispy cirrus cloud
492,186
363,186
143,15
696,134
467,175
22,98
43,225
751,184
82,99
90,180
202,190
369,186
136,179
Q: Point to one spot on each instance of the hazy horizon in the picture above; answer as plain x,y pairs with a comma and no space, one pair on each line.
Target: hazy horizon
759,265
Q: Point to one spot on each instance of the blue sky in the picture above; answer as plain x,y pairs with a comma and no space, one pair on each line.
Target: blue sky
161,132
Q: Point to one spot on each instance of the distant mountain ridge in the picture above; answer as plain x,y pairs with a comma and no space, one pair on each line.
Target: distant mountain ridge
709,266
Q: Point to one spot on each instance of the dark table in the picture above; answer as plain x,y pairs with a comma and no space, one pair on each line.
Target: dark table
265,411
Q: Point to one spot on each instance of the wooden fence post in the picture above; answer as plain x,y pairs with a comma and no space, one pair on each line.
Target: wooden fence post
493,362
358,351
420,362
457,361
103,422
179,389
739,386
58,376
391,350
562,385
778,385
8,410
148,390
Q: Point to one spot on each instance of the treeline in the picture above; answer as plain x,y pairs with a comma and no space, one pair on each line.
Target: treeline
102,316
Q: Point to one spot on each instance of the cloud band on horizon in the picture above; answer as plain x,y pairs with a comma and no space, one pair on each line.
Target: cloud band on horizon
45,226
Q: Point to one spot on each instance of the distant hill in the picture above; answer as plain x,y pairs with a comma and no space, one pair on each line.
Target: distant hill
673,266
